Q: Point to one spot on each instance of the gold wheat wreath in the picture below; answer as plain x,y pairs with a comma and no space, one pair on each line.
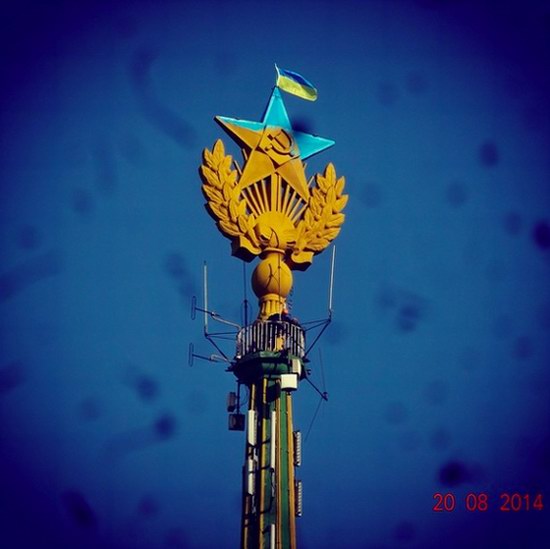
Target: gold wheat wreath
301,239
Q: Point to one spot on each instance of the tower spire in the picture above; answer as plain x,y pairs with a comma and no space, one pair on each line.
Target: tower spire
268,210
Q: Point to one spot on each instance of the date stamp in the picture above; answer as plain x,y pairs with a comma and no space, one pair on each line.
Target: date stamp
481,502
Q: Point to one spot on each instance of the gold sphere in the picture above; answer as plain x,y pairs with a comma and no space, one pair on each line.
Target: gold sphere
272,282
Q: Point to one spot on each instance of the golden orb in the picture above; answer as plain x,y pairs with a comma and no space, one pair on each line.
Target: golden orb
272,282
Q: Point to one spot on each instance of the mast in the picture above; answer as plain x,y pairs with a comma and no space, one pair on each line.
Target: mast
268,209
271,366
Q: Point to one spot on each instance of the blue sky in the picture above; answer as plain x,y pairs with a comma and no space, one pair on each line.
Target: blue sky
437,362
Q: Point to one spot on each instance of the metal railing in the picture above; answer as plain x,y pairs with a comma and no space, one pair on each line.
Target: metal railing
271,335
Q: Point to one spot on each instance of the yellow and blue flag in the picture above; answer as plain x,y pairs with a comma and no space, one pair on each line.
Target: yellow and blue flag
296,84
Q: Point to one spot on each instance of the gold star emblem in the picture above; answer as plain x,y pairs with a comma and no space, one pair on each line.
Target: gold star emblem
269,150
272,147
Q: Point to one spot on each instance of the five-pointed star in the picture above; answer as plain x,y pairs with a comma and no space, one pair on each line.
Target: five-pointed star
274,146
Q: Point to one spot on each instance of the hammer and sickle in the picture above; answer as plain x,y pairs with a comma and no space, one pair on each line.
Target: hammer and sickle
277,143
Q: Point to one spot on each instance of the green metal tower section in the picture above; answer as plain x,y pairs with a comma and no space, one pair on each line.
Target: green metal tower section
269,362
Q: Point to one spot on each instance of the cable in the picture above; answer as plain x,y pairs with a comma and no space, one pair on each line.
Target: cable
313,419
322,371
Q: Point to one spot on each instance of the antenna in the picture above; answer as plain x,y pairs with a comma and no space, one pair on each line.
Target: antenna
245,296
213,336
211,358
331,283
323,324
205,296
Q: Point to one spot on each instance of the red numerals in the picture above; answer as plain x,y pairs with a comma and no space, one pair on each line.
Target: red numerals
477,502
514,502
444,502
520,502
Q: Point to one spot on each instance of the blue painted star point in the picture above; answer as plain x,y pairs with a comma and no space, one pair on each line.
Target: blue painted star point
275,115
273,147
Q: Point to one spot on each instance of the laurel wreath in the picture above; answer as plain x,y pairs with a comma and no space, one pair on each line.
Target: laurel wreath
223,196
320,224
323,219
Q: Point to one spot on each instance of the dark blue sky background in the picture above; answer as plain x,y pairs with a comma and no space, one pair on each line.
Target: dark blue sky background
437,364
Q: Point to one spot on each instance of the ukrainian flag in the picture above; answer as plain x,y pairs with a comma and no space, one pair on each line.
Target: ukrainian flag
296,84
